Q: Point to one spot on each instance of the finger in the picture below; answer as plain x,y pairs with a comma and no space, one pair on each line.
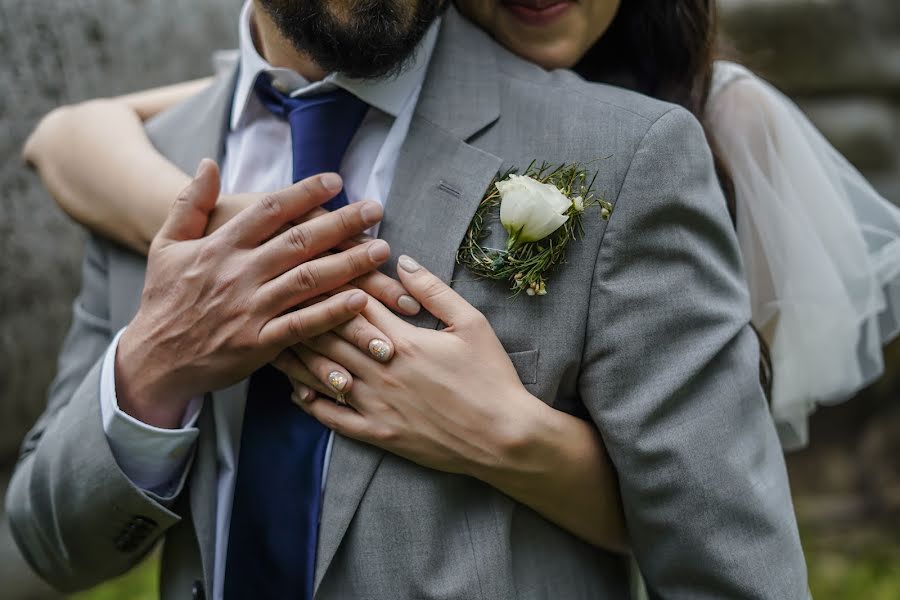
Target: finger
331,379
189,214
262,219
289,363
319,276
302,242
356,240
294,327
379,316
343,420
389,292
341,352
368,338
437,297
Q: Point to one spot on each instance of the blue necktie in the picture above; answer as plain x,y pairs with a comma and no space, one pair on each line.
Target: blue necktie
321,128
277,494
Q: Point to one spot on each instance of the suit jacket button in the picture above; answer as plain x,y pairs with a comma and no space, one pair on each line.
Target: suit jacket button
197,591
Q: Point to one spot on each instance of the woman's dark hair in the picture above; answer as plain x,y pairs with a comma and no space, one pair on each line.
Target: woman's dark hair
667,49
661,48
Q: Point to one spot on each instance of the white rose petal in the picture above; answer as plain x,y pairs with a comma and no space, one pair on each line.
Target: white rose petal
529,209
578,203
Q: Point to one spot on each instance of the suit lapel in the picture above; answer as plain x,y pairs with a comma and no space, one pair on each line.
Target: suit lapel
186,134
439,182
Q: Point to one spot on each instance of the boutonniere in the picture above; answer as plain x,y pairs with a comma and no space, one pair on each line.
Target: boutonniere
541,211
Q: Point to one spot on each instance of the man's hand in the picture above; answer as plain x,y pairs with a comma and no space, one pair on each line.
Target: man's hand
383,288
214,309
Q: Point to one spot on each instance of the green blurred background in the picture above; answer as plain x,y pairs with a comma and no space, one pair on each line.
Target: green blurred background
840,59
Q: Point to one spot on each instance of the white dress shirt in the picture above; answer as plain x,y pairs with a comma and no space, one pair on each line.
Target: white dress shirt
258,158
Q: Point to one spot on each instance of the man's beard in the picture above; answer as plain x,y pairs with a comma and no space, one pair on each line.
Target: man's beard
365,39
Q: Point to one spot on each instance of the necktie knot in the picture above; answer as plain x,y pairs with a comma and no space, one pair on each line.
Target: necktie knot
322,127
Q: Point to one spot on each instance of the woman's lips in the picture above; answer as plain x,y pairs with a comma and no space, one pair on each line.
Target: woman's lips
537,12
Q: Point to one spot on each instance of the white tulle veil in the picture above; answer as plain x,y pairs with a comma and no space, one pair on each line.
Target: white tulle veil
821,248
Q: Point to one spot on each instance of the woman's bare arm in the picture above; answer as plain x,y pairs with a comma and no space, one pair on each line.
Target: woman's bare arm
99,165
149,103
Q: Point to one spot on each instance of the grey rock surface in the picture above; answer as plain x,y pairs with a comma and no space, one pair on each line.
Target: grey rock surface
57,53
839,58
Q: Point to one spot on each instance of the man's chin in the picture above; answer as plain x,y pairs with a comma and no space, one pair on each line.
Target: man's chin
364,39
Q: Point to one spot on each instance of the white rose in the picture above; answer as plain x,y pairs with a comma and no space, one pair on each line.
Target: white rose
530,210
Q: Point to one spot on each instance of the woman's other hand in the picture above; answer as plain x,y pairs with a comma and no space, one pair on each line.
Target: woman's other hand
449,400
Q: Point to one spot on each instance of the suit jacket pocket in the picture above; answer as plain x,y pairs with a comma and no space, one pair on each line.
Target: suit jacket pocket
526,363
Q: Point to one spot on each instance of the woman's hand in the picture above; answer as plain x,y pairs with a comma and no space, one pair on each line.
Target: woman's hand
310,372
449,399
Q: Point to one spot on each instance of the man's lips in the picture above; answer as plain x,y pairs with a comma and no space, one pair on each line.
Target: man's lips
537,12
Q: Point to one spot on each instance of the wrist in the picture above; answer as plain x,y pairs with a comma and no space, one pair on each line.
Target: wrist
144,387
521,446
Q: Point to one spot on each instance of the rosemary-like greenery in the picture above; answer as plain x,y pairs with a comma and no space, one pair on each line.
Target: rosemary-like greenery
527,265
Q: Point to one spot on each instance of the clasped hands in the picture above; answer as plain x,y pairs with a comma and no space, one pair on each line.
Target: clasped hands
288,283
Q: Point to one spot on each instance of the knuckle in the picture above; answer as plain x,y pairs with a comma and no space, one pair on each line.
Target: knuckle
298,238
359,333
356,263
298,327
474,319
385,434
382,286
307,277
404,346
390,381
306,188
434,289
184,197
270,205
346,223
330,420
209,251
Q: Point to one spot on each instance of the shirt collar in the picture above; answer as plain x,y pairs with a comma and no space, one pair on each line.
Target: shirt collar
388,94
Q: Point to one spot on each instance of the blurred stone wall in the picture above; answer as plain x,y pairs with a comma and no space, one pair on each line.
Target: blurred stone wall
57,52
839,58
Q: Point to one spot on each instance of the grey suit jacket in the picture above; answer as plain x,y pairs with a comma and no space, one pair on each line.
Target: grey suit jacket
645,331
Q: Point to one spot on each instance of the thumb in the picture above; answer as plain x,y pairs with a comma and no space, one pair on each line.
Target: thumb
437,297
189,214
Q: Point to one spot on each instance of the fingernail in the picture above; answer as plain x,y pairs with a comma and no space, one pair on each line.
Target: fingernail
337,380
331,182
357,301
202,167
301,395
370,213
409,304
408,264
380,350
379,250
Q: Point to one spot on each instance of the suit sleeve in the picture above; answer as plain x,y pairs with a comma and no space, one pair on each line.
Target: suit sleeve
76,517
671,378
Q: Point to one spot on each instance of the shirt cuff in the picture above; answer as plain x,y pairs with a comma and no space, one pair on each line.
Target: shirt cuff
151,457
